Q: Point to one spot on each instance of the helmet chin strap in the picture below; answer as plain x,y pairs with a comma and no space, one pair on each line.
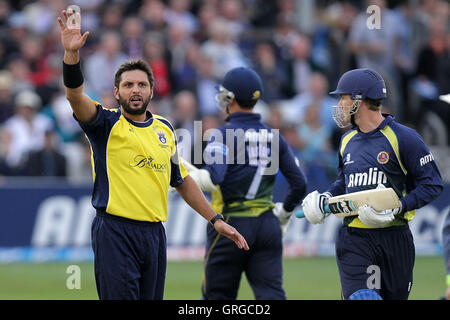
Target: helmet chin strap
352,119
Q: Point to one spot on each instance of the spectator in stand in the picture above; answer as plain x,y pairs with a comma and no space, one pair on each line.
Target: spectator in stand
154,54
179,40
315,147
132,33
6,168
178,12
100,66
40,15
184,115
112,15
152,15
224,53
5,11
185,74
207,13
300,64
18,30
40,72
316,93
233,11
274,79
27,128
432,79
47,162
207,86
431,60
185,110
6,97
377,48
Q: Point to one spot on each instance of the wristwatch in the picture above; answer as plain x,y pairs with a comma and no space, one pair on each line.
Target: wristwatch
217,217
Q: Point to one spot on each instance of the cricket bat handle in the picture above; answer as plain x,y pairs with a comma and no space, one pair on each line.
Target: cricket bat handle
300,214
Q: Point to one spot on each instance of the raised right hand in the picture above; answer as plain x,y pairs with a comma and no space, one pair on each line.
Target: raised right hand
71,37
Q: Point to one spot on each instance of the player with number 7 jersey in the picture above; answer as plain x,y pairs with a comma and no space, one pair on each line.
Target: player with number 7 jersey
242,159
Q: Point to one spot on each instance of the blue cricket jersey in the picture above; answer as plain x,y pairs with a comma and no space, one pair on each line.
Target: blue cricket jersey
393,155
239,156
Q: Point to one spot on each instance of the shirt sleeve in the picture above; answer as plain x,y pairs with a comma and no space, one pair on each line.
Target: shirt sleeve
100,126
216,156
177,172
338,186
290,168
424,181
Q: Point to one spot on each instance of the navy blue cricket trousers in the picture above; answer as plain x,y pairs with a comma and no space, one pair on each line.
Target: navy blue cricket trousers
262,264
129,258
387,253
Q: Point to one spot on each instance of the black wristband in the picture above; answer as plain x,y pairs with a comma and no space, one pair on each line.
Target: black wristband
216,217
72,75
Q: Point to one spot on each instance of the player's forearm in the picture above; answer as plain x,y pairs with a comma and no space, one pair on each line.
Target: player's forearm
420,196
71,57
297,193
337,187
83,107
194,197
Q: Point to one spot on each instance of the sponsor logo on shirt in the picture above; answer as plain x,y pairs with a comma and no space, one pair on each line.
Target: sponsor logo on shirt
141,161
347,159
426,159
372,177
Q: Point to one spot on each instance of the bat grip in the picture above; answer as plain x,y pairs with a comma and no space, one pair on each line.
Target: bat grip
300,214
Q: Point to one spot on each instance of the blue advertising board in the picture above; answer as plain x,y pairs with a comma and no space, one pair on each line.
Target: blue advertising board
52,221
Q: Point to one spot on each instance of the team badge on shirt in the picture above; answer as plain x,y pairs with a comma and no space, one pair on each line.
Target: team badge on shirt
162,137
383,157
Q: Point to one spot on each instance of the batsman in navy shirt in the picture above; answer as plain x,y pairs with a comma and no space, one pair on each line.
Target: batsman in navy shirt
375,249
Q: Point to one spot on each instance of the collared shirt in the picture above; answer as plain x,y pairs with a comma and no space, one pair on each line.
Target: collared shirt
393,155
133,164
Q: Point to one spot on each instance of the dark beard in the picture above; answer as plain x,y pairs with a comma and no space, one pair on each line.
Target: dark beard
126,106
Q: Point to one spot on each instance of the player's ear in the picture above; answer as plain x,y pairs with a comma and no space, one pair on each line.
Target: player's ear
116,93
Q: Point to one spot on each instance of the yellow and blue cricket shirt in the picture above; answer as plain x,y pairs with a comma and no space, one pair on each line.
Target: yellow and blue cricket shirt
133,164
393,155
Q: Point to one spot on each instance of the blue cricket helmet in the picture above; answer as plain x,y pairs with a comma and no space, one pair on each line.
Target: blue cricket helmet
245,83
361,84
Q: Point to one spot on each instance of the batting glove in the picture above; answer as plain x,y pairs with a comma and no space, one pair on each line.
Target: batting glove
203,179
377,219
284,216
314,206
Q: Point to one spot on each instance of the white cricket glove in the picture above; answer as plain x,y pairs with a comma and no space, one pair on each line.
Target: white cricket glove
314,206
203,179
284,216
377,219
200,176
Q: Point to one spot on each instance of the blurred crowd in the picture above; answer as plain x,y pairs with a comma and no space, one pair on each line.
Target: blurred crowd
299,48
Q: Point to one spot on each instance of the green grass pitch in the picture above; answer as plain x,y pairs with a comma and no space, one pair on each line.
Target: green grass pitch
304,279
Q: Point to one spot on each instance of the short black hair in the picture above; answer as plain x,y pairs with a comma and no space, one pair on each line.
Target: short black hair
137,64
246,104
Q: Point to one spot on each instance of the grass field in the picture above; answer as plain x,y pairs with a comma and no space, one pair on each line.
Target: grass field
304,279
